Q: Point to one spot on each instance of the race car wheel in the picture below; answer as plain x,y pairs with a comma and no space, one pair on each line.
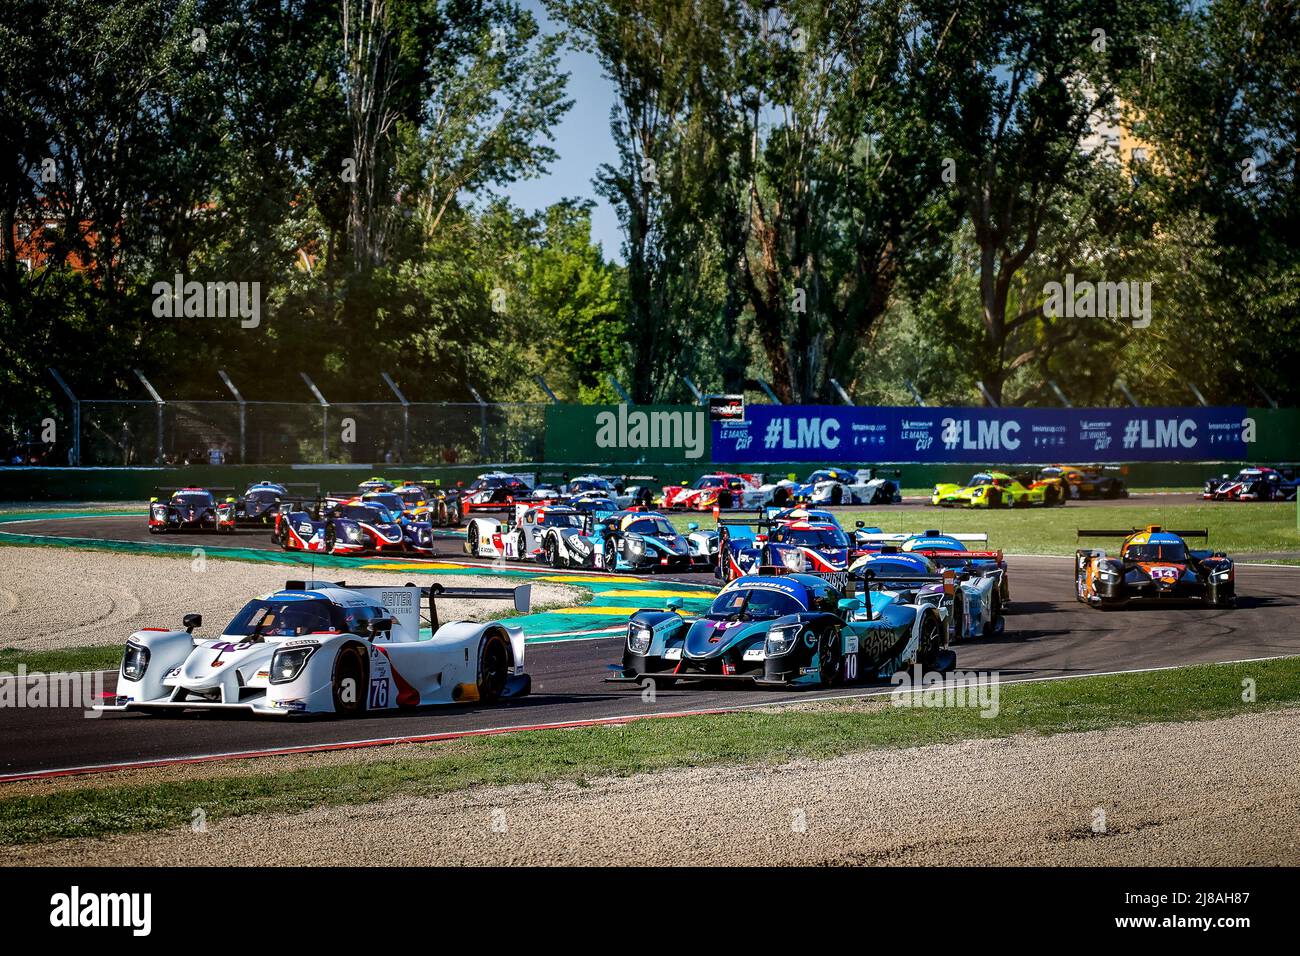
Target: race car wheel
551,551
829,657
1050,496
991,625
493,667
611,554
331,537
931,642
780,496
837,495
349,684
725,499
994,498
645,498
471,539
522,549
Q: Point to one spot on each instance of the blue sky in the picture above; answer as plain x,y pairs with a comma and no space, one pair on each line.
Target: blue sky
583,143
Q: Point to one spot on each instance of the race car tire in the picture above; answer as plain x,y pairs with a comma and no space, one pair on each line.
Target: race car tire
830,657
780,496
611,554
155,530
991,626
471,538
493,667
522,549
837,495
350,665
331,538
931,644
281,535
994,498
645,498
551,552
725,499
1050,496
454,515
1113,490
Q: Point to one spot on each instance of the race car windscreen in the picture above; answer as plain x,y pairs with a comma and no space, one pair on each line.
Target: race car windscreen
899,569
561,519
390,501
196,499
370,513
709,481
284,619
652,526
811,537
590,484
754,604
1174,553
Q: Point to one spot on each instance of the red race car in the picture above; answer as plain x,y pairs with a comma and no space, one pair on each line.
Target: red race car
721,490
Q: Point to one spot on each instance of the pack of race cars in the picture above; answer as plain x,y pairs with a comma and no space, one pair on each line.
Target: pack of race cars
804,602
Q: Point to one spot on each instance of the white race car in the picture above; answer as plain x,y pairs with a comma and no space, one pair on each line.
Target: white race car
523,537
835,486
321,648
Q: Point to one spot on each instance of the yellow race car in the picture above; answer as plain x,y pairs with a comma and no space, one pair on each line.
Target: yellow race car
990,489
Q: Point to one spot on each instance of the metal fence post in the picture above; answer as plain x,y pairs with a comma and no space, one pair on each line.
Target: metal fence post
158,401
324,419
76,417
482,420
406,413
243,418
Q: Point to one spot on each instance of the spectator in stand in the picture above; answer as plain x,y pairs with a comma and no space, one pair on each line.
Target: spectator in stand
216,456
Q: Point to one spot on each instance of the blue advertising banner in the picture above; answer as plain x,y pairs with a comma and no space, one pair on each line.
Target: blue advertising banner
830,433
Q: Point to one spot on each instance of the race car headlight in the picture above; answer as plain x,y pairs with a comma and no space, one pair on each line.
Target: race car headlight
1224,575
638,638
794,560
350,532
781,639
288,663
1108,574
135,661
160,511
977,493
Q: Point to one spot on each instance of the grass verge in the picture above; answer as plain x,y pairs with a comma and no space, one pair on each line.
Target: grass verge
66,660
1234,528
747,737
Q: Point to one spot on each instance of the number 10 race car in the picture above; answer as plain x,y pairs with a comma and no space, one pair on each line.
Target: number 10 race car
322,648
787,630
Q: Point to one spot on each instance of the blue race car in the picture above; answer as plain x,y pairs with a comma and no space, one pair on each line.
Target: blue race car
352,527
795,540
620,541
787,630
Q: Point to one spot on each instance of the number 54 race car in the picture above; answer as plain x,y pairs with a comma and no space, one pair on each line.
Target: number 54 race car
1154,565
321,648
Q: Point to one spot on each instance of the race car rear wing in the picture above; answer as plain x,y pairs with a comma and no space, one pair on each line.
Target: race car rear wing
406,602
1082,533
164,494
900,537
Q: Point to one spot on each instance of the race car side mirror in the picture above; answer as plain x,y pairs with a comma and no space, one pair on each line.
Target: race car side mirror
673,604
693,526
848,606
381,625
191,621
859,524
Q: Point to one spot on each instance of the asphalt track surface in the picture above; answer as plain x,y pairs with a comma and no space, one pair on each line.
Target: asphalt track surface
1048,635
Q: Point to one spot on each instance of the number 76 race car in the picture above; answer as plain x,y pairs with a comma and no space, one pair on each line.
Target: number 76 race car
321,648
